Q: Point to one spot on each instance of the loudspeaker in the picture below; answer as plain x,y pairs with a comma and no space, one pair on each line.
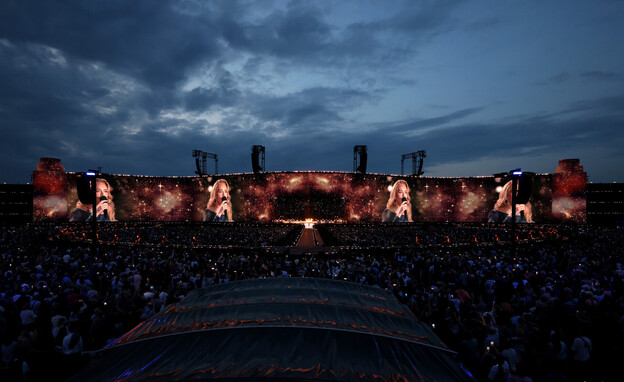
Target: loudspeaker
85,190
255,160
363,159
525,188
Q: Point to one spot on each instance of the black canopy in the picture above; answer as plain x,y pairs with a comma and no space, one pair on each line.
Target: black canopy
287,329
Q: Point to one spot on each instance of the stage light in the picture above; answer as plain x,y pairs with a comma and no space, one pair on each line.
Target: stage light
90,173
517,173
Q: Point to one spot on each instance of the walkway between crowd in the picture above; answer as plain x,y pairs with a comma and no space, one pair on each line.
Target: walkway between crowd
309,242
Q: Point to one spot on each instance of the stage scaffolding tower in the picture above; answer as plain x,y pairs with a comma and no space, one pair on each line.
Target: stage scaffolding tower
257,158
201,159
417,162
361,151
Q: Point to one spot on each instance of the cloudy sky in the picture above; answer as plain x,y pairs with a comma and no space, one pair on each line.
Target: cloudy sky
483,86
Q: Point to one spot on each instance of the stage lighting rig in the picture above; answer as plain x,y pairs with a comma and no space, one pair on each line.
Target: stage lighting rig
417,162
201,158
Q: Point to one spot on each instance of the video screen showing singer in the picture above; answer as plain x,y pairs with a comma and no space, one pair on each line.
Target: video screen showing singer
219,207
399,207
501,213
105,208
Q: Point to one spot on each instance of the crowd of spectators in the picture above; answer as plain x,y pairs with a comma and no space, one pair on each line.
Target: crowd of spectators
423,234
545,309
188,234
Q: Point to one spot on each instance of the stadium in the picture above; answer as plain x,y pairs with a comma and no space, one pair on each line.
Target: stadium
301,276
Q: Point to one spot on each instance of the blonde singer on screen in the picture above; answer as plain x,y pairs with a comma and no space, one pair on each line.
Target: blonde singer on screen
501,213
219,207
105,208
399,207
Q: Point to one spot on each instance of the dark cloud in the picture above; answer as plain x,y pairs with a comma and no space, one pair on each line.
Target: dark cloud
416,18
298,33
415,126
557,79
302,34
311,113
41,97
594,75
135,86
53,106
525,138
600,75
223,93
522,139
483,24
600,106
149,40
310,108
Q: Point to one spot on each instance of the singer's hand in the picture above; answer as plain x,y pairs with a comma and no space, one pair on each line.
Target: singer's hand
101,207
222,208
402,208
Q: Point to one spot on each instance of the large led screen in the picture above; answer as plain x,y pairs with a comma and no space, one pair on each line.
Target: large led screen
293,196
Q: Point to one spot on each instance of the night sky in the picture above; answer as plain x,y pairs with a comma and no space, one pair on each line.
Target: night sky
483,86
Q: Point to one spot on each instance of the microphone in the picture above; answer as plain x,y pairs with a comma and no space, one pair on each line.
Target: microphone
224,199
404,200
105,212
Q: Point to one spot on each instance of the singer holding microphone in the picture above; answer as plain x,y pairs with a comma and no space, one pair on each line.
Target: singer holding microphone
501,213
105,208
398,209
219,208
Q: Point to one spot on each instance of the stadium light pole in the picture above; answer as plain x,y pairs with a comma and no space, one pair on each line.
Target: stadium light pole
92,176
515,175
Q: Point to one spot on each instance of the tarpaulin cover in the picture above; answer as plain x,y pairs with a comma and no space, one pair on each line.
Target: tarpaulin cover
280,329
